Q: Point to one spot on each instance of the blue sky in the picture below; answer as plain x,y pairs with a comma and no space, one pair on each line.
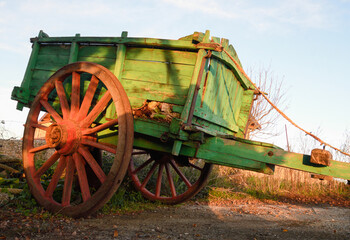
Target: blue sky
304,42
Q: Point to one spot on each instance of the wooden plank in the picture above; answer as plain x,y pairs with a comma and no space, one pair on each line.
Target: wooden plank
158,77
214,81
223,94
118,67
31,64
217,96
136,101
161,55
150,128
225,59
58,50
227,105
233,53
217,119
234,97
150,42
204,110
119,62
155,91
215,151
74,50
211,126
158,67
238,103
51,62
200,58
98,51
40,76
273,155
247,100
224,43
108,63
210,90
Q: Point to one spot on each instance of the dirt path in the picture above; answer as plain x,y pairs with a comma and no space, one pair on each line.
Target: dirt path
190,221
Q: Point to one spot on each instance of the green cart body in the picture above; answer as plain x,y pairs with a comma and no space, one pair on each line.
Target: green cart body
188,100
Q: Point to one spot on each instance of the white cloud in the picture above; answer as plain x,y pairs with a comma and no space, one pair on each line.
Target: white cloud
300,13
63,8
21,49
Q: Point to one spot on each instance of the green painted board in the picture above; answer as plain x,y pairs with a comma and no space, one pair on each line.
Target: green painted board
155,91
161,55
98,51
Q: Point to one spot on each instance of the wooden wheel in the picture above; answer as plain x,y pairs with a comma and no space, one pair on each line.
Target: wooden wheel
166,178
57,169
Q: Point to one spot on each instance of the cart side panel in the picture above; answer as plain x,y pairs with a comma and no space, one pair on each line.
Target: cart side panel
246,106
44,61
224,100
103,55
157,75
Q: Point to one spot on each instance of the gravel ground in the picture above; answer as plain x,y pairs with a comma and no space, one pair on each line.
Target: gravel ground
251,220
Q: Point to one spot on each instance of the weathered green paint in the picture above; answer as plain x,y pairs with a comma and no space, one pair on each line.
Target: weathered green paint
119,62
152,42
118,68
74,49
176,148
239,153
220,98
24,94
162,55
167,71
196,71
245,112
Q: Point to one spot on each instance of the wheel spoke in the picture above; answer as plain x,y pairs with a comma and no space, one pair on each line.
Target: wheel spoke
100,127
83,181
49,162
56,177
170,180
36,125
98,145
147,178
142,166
72,180
52,111
98,108
63,99
39,149
182,176
68,182
196,167
159,179
90,92
75,97
93,164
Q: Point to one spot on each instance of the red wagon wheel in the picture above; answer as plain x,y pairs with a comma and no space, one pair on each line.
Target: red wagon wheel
166,178
57,169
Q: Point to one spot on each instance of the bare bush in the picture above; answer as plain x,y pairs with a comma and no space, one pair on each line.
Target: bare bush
262,112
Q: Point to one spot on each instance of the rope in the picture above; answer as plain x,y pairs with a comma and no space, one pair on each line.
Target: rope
278,110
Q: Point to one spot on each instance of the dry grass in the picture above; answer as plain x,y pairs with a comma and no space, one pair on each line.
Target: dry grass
285,184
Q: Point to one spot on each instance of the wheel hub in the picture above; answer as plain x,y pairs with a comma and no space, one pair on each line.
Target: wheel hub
64,137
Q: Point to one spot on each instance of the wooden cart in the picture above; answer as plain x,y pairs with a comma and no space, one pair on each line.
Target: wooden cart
174,107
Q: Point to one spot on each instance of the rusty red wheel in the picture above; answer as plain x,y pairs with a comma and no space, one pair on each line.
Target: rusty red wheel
58,167
166,178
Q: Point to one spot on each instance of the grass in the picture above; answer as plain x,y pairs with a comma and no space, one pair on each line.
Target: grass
225,184
285,185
